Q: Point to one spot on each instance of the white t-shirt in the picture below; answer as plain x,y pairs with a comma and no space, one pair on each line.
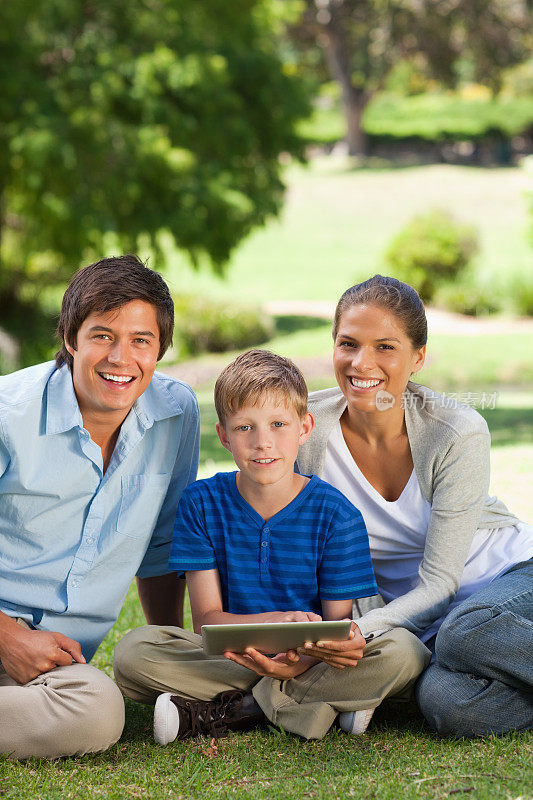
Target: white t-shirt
397,531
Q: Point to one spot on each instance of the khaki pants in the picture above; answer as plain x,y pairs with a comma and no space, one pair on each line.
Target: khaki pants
68,711
152,659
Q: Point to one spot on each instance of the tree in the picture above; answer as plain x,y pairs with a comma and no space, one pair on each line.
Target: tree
124,122
362,39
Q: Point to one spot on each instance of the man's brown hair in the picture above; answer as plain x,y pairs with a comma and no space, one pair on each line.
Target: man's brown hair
256,375
107,285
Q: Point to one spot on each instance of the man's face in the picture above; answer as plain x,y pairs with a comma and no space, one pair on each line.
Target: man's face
115,357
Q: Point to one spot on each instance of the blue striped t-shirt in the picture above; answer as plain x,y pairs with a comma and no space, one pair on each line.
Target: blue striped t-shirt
315,548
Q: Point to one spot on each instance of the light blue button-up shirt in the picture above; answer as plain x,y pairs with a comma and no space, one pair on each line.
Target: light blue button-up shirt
72,537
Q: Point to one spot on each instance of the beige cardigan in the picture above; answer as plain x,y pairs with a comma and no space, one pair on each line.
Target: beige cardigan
451,452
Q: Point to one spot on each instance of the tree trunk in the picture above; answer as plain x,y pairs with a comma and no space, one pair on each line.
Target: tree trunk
354,106
333,40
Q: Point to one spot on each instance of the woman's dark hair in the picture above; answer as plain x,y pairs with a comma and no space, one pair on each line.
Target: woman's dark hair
393,295
108,285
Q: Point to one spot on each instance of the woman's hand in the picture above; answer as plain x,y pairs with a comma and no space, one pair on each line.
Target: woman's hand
337,654
282,666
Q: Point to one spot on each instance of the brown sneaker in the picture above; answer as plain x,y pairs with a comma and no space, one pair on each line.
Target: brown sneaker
177,717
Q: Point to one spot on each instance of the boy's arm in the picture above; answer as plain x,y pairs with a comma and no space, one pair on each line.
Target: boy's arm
336,609
206,604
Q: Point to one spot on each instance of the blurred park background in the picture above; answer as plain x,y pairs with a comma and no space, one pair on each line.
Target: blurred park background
264,155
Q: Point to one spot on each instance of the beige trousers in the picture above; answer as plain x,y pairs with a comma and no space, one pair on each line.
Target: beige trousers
152,659
68,711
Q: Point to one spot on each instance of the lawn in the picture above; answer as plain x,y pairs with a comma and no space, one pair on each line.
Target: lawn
334,229
399,757
337,223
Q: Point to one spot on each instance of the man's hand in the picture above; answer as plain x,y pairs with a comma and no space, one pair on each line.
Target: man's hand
290,616
26,653
283,666
338,654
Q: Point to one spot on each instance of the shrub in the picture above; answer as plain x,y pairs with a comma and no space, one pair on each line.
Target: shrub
432,250
520,295
204,325
466,297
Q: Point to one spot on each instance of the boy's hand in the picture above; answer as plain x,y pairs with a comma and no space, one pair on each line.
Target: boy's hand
283,666
291,616
338,654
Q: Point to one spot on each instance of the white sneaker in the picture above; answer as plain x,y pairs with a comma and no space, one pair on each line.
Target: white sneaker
355,722
166,719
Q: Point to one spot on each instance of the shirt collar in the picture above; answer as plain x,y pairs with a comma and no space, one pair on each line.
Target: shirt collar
157,402
62,410
63,413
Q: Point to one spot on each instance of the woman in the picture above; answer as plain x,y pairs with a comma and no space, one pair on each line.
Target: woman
450,561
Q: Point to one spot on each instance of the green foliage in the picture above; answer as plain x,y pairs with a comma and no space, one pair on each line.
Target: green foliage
519,295
204,325
433,116
439,115
518,80
468,297
367,43
430,251
123,122
409,76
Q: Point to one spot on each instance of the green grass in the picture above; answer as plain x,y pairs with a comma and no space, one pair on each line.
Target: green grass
337,223
399,757
334,230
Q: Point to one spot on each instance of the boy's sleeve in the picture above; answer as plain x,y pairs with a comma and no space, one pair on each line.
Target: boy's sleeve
345,570
191,548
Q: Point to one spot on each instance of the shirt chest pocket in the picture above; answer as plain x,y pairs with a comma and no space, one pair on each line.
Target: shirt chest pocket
140,504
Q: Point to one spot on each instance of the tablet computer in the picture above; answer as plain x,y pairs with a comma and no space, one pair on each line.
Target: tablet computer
270,637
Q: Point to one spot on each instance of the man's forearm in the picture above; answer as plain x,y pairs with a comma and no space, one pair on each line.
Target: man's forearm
162,599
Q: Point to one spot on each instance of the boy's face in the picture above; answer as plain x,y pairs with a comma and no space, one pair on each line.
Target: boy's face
264,440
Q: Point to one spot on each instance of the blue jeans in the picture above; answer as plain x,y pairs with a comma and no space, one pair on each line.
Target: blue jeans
481,680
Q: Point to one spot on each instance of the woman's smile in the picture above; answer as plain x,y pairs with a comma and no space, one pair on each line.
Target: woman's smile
373,353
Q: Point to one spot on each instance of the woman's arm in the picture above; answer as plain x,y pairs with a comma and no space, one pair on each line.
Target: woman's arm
460,489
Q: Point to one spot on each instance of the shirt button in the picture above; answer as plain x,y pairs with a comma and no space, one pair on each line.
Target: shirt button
75,583
264,544
266,530
90,540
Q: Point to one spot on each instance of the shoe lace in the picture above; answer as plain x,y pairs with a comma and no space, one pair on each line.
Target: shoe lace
209,718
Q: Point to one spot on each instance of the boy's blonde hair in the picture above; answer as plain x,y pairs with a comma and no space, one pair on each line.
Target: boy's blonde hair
254,376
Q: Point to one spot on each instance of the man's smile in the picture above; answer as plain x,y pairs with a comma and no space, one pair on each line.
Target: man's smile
119,380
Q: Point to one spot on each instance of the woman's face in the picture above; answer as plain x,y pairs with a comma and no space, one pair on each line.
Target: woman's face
373,358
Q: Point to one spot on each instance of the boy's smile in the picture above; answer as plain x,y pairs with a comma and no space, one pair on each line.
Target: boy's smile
264,441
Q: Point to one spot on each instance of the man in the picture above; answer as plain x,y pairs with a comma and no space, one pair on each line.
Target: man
95,451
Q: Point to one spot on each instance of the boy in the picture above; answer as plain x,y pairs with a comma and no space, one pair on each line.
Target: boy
265,544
